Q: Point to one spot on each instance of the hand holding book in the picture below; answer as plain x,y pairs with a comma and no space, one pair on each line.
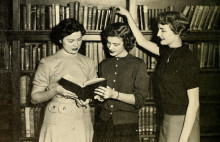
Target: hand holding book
83,91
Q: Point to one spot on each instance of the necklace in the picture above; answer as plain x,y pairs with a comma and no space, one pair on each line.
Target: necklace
168,59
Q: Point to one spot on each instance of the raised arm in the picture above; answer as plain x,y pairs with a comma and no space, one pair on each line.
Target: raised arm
146,44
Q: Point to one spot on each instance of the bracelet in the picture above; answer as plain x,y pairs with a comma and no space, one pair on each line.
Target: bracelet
117,96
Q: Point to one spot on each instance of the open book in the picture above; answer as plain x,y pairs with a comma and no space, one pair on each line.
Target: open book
83,91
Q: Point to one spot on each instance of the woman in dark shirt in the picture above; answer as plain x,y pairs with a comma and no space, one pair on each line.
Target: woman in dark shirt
127,88
176,77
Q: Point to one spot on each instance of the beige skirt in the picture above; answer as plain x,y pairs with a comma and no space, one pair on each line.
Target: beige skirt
65,122
171,129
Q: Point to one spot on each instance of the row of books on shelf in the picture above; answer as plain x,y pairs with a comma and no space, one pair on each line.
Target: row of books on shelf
146,16
203,17
147,120
31,53
208,53
200,17
31,121
45,17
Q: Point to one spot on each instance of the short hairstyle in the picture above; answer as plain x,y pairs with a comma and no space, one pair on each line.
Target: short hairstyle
177,22
64,28
120,30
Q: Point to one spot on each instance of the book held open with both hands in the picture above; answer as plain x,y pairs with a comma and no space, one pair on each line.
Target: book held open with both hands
82,90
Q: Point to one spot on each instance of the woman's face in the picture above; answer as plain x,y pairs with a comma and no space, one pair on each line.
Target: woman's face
166,35
72,43
116,46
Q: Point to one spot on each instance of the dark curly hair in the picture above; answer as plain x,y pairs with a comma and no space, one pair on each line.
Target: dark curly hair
121,30
177,22
65,28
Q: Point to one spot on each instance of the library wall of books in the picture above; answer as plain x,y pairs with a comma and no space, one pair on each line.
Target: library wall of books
21,49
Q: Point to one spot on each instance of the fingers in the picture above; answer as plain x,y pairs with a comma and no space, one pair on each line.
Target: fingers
100,91
97,97
85,102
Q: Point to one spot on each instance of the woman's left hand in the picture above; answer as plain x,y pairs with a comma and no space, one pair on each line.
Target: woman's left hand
106,93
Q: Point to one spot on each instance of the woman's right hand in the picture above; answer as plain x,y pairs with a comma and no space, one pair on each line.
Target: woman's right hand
121,10
63,92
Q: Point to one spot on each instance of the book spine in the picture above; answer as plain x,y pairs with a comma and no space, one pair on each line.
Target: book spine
145,18
24,17
26,58
71,9
98,19
38,20
81,14
27,121
50,22
42,17
28,16
23,128
76,10
102,19
57,14
89,22
33,17
85,18
94,11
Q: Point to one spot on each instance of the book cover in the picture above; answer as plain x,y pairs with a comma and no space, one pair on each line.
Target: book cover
83,91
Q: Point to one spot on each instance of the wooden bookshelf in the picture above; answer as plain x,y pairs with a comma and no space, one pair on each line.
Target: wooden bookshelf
210,77
44,35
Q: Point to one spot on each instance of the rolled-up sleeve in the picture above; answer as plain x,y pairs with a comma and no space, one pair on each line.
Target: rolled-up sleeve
41,77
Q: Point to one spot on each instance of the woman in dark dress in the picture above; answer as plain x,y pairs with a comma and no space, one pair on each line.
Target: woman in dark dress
176,78
127,88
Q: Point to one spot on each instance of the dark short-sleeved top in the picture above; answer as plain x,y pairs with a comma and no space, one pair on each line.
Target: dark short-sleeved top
172,79
126,75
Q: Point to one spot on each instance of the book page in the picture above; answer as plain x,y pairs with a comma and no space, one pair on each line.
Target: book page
93,81
73,79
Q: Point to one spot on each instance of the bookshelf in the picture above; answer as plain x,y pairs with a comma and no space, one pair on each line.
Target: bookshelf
16,37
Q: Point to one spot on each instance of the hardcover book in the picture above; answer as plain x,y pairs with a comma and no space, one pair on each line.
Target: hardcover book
82,90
